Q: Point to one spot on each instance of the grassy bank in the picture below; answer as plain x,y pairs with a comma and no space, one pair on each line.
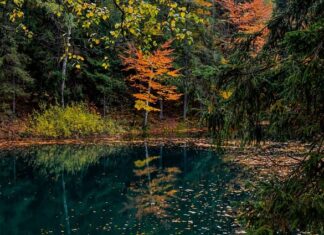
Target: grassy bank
83,121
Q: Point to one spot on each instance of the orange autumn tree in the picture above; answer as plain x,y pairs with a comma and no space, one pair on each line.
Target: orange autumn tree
250,17
150,73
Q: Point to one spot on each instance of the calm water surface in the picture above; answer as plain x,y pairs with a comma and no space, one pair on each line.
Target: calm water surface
117,190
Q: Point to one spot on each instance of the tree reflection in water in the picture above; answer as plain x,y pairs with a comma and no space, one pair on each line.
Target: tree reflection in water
154,189
115,190
58,161
54,160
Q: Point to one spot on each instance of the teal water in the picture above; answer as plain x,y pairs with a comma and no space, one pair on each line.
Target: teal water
117,190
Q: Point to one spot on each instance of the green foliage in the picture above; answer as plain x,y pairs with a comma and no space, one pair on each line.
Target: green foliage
279,90
301,83
67,159
296,203
277,93
74,120
14,76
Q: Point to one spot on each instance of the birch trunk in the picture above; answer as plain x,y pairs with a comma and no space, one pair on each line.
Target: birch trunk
64,65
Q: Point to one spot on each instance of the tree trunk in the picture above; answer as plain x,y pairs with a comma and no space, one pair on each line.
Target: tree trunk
161,157
63,80
146,116
186,73
147,105
185,84
214,18
185,104
64,66
104,106
14,96
161,109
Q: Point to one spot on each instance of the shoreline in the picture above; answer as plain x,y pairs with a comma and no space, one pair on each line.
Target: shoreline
200,142
270,158
109,140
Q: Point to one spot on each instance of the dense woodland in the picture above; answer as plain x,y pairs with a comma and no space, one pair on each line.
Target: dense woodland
245,69
239,67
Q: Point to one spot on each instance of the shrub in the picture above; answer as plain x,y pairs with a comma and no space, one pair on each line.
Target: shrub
72,121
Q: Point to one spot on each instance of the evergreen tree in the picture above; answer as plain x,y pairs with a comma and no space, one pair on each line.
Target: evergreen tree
14,77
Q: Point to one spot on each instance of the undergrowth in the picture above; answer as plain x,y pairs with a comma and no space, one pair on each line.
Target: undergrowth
297,204
75,120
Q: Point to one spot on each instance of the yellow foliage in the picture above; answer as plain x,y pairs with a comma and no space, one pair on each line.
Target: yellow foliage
16,14
224,61
19,3
225,94
141,105
171,192
105,65
89,14
144,162
203,3
96,41
74,120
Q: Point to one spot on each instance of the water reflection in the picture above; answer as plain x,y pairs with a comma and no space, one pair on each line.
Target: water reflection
54,160
155,187
120,190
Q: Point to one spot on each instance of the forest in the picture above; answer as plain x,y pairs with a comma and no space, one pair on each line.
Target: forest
218,71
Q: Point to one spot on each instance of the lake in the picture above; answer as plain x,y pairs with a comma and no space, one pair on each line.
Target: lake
72,189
